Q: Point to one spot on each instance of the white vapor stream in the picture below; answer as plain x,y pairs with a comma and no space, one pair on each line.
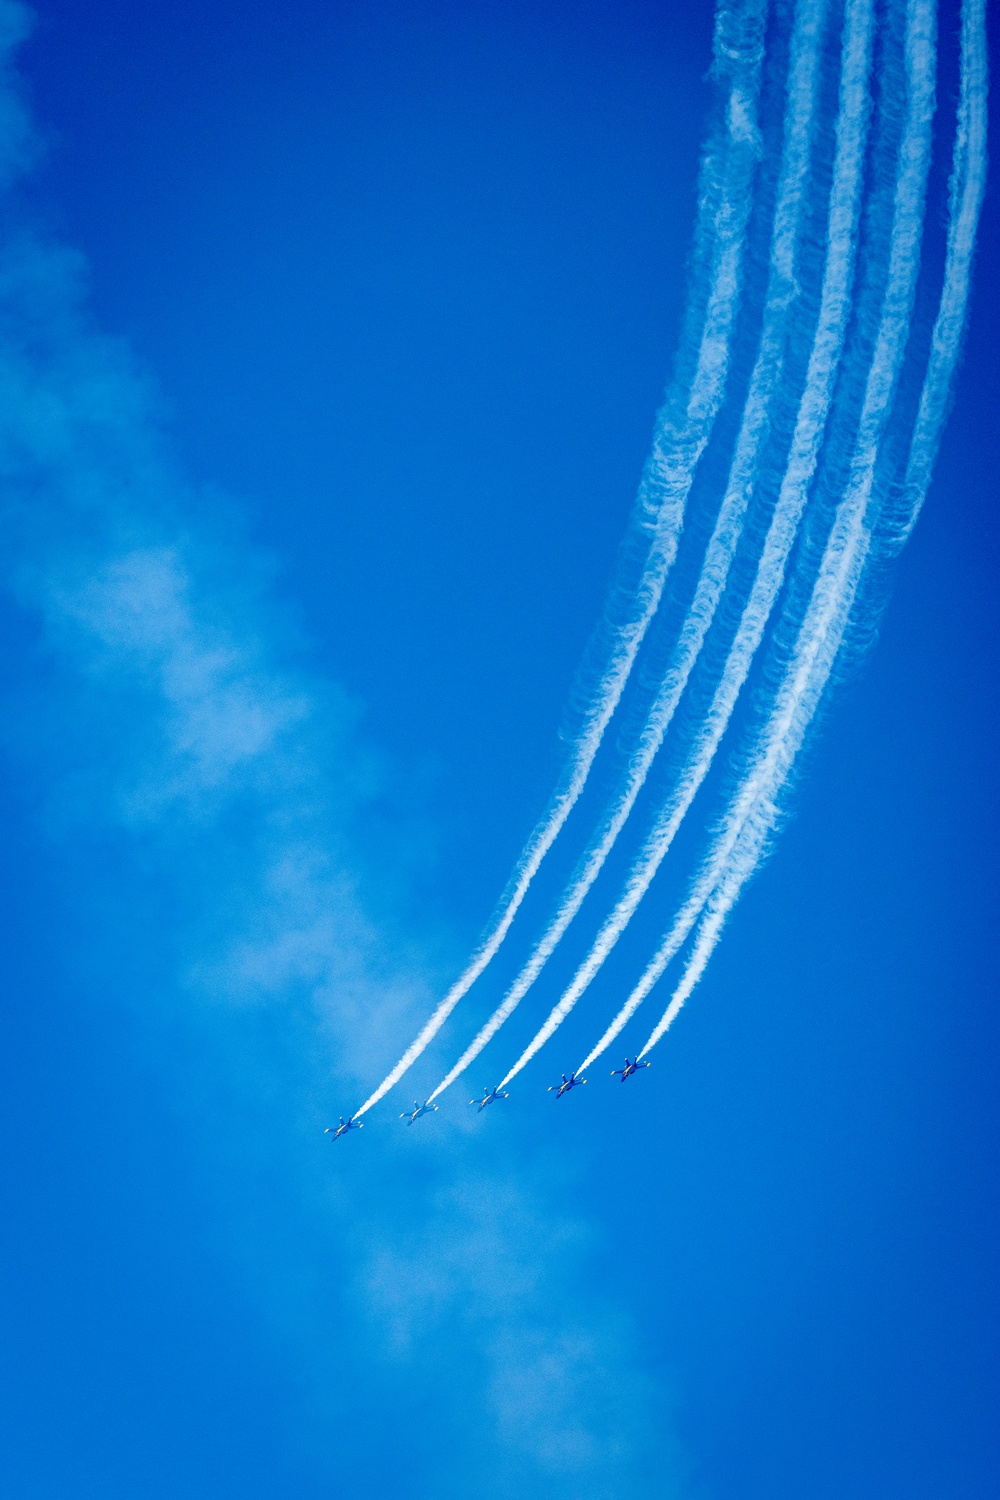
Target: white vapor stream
780,302
968,183
835,303
737,858
678,444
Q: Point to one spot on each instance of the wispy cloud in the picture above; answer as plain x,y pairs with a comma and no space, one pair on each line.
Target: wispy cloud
201,780
561,1396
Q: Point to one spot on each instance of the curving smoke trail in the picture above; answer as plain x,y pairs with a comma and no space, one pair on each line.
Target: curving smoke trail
814,405
779,307
682,432
727,873
968,183
753,812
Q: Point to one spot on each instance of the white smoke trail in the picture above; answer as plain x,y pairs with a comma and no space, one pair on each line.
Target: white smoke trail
678,444
835,302
782,292
968,183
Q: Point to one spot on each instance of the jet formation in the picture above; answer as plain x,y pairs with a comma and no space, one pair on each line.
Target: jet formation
632,1065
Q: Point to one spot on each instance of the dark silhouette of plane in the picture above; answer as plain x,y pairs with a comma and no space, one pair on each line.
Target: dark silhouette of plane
418,1109
629,1068
489,1095
572,1082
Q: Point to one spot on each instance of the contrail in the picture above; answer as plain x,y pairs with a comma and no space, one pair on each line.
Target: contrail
968,181
683,428
781,296
835,305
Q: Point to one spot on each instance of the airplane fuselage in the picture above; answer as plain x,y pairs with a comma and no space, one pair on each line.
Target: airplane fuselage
572,1082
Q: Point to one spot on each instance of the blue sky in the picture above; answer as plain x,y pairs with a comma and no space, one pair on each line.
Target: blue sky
401,285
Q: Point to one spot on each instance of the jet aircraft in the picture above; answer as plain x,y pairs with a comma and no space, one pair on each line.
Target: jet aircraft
345,1125
418,1109
489,1095
572,1082
629,1068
